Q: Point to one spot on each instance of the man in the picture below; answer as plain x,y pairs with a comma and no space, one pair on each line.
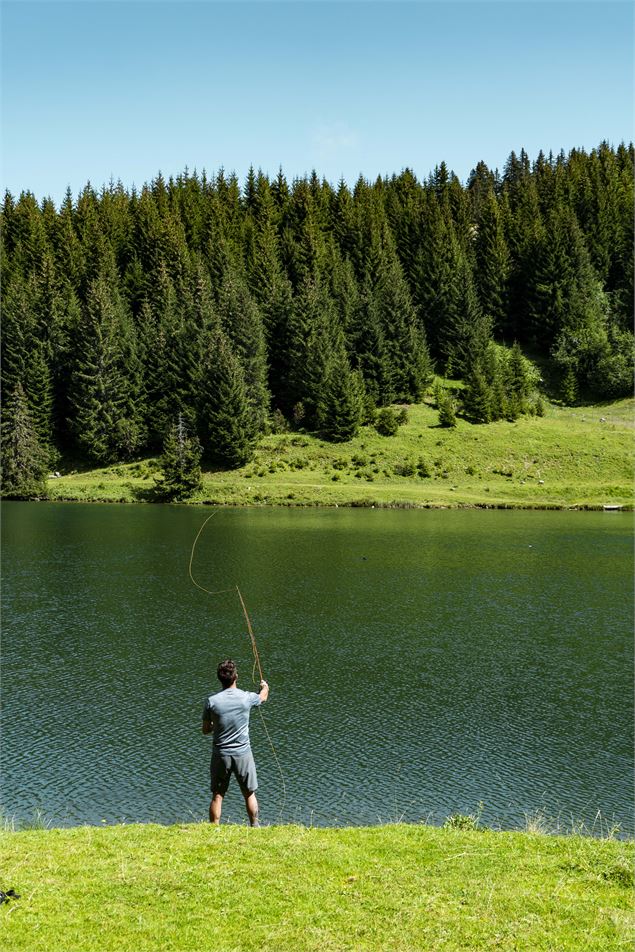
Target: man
226,715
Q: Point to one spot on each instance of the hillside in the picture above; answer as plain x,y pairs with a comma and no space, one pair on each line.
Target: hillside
571,457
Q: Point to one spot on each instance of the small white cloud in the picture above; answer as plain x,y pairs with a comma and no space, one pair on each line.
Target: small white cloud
331,139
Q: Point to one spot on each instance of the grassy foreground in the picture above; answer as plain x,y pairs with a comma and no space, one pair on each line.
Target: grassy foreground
193,887
571,457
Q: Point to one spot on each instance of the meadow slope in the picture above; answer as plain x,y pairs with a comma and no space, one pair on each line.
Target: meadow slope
571,457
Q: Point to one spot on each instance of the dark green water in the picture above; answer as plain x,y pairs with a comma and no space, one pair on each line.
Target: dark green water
419,661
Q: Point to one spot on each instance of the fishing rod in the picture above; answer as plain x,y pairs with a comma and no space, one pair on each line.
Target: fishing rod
254,648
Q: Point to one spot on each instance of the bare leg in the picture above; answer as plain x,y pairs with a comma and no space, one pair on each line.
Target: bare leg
215,809
252,809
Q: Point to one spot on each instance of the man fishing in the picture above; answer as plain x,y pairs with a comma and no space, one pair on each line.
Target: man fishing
226,715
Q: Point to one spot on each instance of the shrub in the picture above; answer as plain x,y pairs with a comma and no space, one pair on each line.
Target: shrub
407,468
386,422
278,422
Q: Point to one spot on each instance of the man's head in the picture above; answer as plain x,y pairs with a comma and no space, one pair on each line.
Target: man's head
227,673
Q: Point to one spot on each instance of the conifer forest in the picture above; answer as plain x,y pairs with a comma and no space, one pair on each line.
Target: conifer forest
207,311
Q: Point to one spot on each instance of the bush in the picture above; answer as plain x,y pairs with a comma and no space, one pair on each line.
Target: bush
278,422
386,422
407,468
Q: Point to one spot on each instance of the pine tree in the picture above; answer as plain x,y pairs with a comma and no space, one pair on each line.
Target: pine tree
518,382
103,388
341,404
492,264
466,331
367,347
405,342
569,387
445,406
242,322
491,366
226,420
562,286
433,267
477,397
160,334
24,460
26,356
272,292
315,336
180,463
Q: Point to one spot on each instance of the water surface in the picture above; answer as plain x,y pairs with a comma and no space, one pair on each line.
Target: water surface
419,662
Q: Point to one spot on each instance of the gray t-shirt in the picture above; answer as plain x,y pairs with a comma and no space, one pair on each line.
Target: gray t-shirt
229,713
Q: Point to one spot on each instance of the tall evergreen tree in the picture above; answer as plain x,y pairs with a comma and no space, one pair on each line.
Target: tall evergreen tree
226,419
466,331
24,460
315,335
367,348
341,401
243,324
477,396
492,264
434,265
180,462
406,346
103,385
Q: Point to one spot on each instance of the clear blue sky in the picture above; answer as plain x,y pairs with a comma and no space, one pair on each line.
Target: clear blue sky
95,90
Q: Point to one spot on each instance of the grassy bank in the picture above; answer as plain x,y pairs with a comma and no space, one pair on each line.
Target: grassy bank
194,887
571,457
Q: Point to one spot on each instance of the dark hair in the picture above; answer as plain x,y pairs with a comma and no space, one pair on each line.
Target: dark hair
227,673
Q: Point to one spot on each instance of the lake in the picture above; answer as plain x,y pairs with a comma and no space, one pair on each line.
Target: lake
420,662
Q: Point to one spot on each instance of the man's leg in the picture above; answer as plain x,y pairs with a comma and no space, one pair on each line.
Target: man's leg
252,808
216,808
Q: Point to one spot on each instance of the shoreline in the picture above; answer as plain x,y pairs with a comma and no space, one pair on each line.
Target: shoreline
353,504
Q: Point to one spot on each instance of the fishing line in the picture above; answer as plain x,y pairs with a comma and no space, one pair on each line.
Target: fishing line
254,648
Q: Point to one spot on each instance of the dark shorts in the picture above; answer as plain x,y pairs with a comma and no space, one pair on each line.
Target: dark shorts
243,768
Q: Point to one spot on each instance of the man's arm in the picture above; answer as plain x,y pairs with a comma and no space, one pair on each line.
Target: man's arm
208,727
264,692
208,718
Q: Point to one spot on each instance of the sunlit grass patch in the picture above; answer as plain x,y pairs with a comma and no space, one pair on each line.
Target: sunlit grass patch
397,887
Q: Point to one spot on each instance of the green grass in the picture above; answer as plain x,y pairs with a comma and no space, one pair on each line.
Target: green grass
571,457
195,887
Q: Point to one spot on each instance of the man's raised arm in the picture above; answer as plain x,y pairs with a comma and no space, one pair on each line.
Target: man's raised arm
264,691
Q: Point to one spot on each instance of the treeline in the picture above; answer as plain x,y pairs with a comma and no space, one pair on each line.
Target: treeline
224,310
